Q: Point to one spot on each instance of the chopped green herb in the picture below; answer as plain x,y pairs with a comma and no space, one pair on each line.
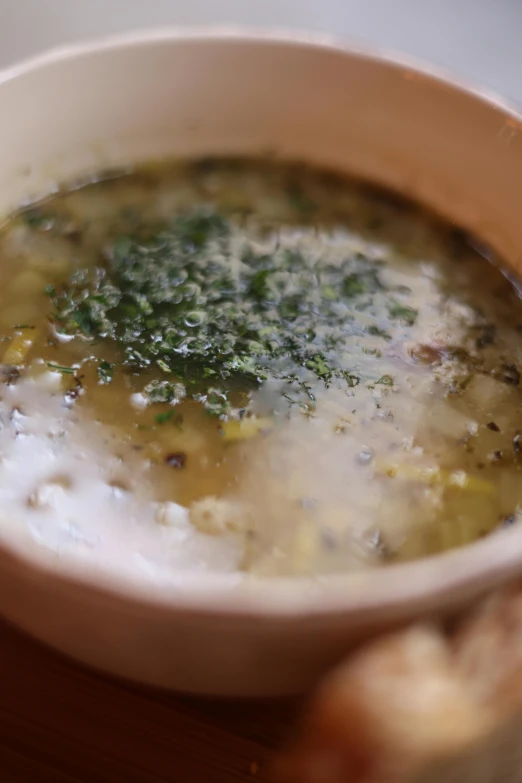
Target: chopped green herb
319,367
364,282
385,380
161,418
39,218
61,368
375,331
351,379
217,403
164,391
403,313
164,367
105,372
353,286
220,320
36,217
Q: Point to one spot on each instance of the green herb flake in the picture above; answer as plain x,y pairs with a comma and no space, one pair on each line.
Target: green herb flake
162,418
403,313
376,331
216,403
37,218
61,368
164,367
105,372
164,391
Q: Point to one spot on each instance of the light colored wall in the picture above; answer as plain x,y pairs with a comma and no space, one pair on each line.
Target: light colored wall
477,39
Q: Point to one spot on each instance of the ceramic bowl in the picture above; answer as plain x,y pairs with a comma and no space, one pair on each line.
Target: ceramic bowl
176,93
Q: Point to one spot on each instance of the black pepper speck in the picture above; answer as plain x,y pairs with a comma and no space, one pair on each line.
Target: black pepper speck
508,373
176,460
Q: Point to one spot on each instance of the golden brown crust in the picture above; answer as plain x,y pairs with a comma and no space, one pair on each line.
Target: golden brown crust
418,704
488,651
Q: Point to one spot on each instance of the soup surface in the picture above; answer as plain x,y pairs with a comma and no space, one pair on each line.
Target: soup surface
253,366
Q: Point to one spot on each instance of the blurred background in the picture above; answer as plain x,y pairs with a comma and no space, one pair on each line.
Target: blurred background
479,40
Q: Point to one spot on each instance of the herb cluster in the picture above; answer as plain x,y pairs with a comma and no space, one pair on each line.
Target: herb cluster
216,317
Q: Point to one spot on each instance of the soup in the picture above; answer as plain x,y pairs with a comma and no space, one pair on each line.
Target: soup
251,366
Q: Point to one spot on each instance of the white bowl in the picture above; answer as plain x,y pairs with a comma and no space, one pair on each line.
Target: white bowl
177,93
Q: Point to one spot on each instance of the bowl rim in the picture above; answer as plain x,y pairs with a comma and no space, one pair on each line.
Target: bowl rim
395,590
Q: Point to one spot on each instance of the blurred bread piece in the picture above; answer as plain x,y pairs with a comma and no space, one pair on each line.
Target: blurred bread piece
421,706
487,648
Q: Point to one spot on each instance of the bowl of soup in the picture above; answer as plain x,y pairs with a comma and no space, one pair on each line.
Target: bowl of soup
261,353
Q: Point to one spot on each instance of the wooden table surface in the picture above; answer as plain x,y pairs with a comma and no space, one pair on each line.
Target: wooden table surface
61,723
